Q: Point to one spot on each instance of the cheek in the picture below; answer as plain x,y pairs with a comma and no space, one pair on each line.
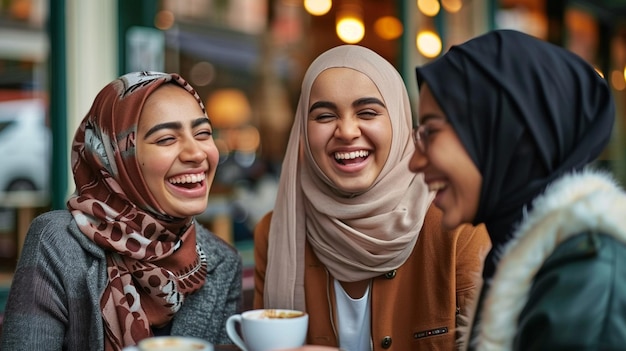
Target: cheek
152,163
213,155
384,144
318,136
380,133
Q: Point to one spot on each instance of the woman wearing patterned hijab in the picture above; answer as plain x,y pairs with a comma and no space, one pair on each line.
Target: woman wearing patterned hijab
508,124
352,238
128,260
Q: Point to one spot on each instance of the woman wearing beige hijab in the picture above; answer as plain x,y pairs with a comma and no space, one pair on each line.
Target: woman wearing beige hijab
353,240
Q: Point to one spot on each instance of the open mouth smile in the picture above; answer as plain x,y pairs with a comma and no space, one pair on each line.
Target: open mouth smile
188,180
351,157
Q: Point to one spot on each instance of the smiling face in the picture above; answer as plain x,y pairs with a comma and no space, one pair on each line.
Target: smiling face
447,167
176,151
348,128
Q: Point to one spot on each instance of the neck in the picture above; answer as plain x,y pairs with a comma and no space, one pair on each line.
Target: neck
355,290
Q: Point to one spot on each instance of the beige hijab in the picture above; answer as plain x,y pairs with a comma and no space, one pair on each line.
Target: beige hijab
357,236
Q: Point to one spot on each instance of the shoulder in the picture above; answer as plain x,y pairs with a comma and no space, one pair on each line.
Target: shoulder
462,236
56,245
56,230
52,220
580,282
261,237
577,202
574,204
262,228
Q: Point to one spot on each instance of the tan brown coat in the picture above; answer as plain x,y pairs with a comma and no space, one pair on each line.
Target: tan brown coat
415,307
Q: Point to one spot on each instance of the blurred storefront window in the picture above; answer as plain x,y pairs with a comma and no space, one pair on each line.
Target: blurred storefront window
25,137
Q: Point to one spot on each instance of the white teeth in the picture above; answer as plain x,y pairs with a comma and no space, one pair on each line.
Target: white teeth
436,186
351,155
187,178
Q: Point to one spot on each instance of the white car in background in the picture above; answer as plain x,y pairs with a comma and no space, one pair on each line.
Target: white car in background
25,146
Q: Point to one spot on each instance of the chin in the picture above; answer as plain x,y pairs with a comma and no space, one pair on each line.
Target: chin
352,187
189,209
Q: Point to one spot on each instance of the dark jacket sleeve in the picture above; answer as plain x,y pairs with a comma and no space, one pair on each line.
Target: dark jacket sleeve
578,298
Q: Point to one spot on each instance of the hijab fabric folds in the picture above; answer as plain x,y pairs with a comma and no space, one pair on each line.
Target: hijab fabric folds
357,236
527,112
152,258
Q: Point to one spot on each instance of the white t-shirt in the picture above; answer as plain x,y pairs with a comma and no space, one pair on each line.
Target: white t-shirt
354,319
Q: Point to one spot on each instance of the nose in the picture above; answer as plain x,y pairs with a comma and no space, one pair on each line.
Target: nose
418,161
192,151
348,129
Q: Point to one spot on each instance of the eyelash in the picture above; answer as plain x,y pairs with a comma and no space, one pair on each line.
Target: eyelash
370,114
209,132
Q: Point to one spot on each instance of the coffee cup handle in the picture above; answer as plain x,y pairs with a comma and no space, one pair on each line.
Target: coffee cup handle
231,330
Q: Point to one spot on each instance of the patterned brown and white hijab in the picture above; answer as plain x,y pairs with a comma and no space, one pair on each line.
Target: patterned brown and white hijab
153,261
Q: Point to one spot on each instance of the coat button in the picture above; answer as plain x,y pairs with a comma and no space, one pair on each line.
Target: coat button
386,343
390,274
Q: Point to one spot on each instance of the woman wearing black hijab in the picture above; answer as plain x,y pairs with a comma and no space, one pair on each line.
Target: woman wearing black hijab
508,124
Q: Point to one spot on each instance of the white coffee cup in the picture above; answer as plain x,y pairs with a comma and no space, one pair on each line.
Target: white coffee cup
268,329
171,343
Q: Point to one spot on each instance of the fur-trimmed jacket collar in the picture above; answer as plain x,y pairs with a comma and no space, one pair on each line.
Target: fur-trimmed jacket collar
578,202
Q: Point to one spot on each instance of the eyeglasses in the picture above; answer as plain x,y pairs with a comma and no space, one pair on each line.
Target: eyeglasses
420,138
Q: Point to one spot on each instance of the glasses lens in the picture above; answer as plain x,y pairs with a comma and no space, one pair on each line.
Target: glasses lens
418,138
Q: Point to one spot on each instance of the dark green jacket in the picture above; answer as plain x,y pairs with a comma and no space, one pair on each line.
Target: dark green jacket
561,284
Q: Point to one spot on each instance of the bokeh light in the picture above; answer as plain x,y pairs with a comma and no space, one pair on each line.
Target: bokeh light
617,80
388,27
428,43
202,73
350,29
318,7
452,6
429,7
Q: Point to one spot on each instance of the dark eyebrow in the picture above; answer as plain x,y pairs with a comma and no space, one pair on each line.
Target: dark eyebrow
430,117
322,104
176,125
200,121
368,100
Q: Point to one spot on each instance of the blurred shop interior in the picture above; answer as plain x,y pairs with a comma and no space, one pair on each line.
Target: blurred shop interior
246,58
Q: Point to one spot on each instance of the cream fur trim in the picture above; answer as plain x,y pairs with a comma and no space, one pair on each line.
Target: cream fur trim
588,200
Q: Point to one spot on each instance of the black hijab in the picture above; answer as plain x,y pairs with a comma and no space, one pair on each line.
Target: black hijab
526,111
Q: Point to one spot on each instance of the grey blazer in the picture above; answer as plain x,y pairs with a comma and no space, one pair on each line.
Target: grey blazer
54,301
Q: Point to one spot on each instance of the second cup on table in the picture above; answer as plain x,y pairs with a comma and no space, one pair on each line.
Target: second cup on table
268,329
171,343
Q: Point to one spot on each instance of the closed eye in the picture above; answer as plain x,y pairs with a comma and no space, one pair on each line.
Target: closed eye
164,141
368,114
204,134
324,117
